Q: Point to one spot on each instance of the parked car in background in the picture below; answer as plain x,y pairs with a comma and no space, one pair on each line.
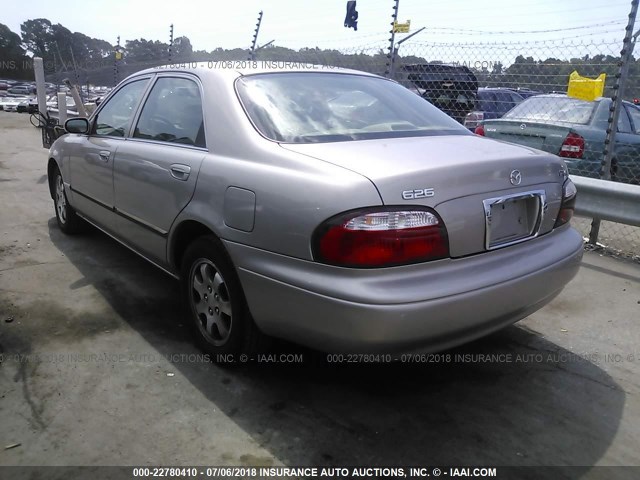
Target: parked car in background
451,88
332,207
22,90
525,92
4,86
10,104
53,109
29,105
491,103
575,130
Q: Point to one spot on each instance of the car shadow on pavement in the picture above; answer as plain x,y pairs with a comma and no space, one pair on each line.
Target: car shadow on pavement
510,399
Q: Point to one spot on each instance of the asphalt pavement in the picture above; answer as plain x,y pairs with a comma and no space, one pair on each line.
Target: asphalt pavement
98,369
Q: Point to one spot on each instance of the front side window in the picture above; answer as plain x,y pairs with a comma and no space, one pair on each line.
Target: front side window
309,107
115,117
172,113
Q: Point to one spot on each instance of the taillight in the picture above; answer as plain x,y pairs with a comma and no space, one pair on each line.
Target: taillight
479,130
572,147
381,237
473,119
568,206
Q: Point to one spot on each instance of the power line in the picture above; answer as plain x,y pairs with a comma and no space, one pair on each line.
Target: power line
504,32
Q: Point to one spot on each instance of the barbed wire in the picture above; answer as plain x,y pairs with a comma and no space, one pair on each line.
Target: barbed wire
509,32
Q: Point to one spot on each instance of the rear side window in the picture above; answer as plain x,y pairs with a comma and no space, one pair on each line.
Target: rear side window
634,113
624,126
172,113
504,103
486,101
515,98
115,117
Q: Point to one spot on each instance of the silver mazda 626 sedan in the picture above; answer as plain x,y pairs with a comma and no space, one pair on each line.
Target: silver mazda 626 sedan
329,207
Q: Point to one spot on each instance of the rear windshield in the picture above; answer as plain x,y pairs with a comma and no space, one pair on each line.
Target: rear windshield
301,107
553,109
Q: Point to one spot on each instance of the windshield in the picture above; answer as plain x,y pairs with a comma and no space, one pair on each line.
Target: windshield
312,107
553,109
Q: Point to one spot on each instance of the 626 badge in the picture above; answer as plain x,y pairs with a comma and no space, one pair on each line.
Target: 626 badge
418,193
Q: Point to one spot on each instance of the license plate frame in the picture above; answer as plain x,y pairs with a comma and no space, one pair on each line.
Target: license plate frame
513,218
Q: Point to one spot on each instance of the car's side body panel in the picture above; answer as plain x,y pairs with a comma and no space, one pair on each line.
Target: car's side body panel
90,167
293,196
152,184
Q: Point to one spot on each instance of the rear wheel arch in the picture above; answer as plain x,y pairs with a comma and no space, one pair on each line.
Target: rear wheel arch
184,235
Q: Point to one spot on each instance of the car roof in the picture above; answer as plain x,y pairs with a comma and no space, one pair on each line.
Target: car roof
497,89
434,67
228,68
564,95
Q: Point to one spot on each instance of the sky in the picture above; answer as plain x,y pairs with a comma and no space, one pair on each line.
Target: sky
309,23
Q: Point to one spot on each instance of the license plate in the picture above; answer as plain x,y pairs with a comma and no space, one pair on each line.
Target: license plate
528,140
513,218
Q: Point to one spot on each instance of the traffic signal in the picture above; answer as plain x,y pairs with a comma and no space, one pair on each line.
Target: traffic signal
351,20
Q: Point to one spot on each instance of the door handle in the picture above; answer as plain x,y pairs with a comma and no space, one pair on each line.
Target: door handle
179,171
104,155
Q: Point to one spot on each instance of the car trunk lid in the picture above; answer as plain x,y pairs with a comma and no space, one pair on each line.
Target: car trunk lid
543,136
452,174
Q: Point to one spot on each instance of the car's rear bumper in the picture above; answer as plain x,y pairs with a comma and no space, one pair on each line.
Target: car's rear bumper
427,306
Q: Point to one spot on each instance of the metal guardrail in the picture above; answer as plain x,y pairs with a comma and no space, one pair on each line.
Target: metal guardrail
606,200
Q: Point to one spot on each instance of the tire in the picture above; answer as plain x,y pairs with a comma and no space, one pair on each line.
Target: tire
215,306
68,220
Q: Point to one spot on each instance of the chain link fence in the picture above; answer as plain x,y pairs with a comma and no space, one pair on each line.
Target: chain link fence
509,90
516,92
524,86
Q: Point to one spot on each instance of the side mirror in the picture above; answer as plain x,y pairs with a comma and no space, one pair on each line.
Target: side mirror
77,125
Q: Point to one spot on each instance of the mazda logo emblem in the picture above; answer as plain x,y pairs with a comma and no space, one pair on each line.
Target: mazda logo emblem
515,178
523,126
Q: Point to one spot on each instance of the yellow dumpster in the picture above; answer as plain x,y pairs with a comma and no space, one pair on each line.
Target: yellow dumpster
586,88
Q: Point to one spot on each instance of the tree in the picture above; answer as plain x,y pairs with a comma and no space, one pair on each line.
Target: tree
12,55
10,43
36,36
182,49
146,51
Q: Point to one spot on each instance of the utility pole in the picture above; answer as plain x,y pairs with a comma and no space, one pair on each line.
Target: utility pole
392,68
116,58
170,41
75,70
390,55
252,50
